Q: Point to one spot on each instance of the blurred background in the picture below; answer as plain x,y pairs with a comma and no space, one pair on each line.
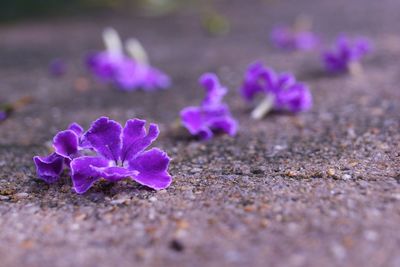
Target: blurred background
21,9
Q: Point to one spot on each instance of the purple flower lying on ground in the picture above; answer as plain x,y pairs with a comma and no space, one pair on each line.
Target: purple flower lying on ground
57,67
345,53
282,91
127,73
212,115
3,115
107,151
285,37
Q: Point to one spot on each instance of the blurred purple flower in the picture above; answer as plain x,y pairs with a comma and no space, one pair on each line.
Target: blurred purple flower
107,151
344,53
3,115
127,73
212,116
57,67
285,37
282,91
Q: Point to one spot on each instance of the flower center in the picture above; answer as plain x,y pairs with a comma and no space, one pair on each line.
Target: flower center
119,163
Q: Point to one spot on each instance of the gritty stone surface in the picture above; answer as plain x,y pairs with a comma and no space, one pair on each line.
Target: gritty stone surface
316,189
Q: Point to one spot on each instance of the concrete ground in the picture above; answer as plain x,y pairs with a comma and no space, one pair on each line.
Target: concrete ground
316,189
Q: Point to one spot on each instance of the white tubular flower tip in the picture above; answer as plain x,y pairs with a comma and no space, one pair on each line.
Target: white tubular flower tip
263,108
112,41
136,51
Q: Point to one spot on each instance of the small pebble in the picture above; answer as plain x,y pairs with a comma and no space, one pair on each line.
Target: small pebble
331,172
119,201
195,170
371,235
176,245
4,197
21,195
346,177
152,199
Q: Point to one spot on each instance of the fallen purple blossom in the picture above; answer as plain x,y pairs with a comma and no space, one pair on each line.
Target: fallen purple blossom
282,92
345,54
127,73
287,38
106,151
212,116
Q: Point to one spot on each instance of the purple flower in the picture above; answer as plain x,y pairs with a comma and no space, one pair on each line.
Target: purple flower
127,73
212,116
3,115
345,53
282,91
107,151
287,38
57,67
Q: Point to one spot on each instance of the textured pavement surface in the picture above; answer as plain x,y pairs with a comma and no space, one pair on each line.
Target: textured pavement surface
317,189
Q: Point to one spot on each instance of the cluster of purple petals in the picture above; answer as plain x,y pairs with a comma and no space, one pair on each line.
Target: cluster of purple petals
286,38
212,116
126,73
107,150
287,93
344,53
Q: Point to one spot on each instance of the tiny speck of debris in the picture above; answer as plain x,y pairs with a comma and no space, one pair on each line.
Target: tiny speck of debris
176,245
152,199
346,177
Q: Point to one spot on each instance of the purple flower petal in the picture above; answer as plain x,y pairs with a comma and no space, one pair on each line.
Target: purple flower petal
66,143
192,119
113,174
214,91
205,134
202,121
258,79
104,136
294,99
226,125
152,166
284,80
132,75
306,41
103,65
135,139
76,128
281,37
49,168
155,79
82,172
